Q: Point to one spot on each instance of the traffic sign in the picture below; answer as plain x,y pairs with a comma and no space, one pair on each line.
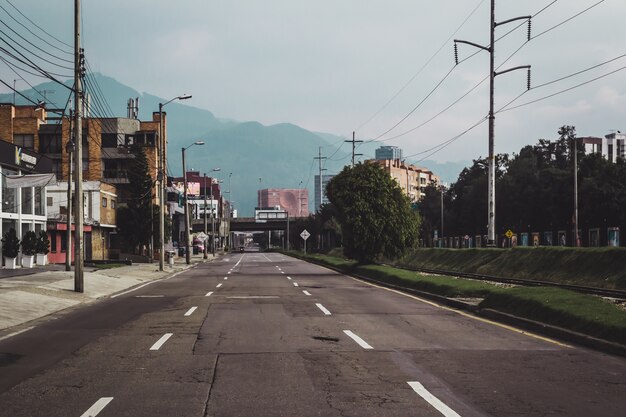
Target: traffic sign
509,233
305,234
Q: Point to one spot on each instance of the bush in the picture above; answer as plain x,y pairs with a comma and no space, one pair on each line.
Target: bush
29,244
10,244
43,243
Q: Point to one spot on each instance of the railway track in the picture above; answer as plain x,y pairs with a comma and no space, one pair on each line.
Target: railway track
603,292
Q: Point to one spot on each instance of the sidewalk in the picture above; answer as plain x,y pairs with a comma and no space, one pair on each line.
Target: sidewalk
26,296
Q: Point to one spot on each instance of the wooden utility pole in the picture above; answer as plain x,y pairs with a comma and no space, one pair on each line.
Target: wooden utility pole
79,285
70,152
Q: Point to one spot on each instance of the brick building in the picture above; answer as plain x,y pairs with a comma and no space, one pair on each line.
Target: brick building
106,158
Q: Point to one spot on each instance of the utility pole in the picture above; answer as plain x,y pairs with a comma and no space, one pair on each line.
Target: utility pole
206,255
442,215
491,204
79,284
320,158
70,151
576,237
354,142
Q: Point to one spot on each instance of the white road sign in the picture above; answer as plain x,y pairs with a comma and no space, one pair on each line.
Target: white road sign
305,234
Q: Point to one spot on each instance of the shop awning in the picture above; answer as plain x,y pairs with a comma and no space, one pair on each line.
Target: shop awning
30,180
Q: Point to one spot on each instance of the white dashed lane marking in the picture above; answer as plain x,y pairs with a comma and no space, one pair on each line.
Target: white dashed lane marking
432,400
357,339
98,406
190,311
161,341
324,309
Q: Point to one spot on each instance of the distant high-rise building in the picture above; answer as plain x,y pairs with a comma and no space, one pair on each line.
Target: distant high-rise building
385,153
293,200
325,179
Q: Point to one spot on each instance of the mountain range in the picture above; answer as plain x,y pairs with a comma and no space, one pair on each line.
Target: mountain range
258,156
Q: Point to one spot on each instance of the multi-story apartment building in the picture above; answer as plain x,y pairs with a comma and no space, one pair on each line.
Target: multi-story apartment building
294,201
611,146
412,179
106,153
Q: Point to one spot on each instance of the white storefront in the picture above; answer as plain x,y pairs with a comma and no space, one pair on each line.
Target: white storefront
23,204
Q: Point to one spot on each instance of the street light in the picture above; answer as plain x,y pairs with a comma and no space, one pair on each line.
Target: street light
205,222
186,208
230,202
162,179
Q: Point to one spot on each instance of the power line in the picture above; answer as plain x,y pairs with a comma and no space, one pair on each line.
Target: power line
421,69
38,27
563,91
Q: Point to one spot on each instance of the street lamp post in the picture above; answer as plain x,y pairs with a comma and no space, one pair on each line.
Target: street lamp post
162,179
206,255
186,207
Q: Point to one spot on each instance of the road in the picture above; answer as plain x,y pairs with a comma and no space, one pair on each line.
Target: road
260,334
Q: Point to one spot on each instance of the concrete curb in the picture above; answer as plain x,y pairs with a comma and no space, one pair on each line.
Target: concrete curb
50,298
544,329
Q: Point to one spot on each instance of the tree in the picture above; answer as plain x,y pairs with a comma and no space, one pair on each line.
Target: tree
134,220
375,216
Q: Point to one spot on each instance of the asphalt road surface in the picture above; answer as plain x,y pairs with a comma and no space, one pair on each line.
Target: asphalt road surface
267,335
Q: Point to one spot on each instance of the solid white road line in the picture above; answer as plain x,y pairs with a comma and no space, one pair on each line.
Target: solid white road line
149,296
357,339
97,407
432,400
209,294
16,333
219,285
295,284
190,311
306,292
324,309
240,259
161,341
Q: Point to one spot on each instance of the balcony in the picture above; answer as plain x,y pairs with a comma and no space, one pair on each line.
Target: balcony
115,176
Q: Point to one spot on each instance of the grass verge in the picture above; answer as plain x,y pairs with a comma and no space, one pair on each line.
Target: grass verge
582,313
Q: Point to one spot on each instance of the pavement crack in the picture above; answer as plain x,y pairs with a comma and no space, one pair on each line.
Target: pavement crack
208,397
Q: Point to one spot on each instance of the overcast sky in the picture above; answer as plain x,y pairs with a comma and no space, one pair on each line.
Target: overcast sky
329,65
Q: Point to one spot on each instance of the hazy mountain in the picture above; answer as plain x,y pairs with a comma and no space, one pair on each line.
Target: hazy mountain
258,156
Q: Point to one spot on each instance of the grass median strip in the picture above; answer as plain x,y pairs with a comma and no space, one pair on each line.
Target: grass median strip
586,314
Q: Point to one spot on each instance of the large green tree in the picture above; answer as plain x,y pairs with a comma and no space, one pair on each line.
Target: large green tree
375,216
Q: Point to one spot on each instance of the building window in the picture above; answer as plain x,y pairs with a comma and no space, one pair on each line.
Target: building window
63,242
24,141
49,201
50,143
27,200
104,201
53,242
57,168
109,140
112,204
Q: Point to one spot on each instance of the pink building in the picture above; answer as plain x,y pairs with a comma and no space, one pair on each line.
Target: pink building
295,201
